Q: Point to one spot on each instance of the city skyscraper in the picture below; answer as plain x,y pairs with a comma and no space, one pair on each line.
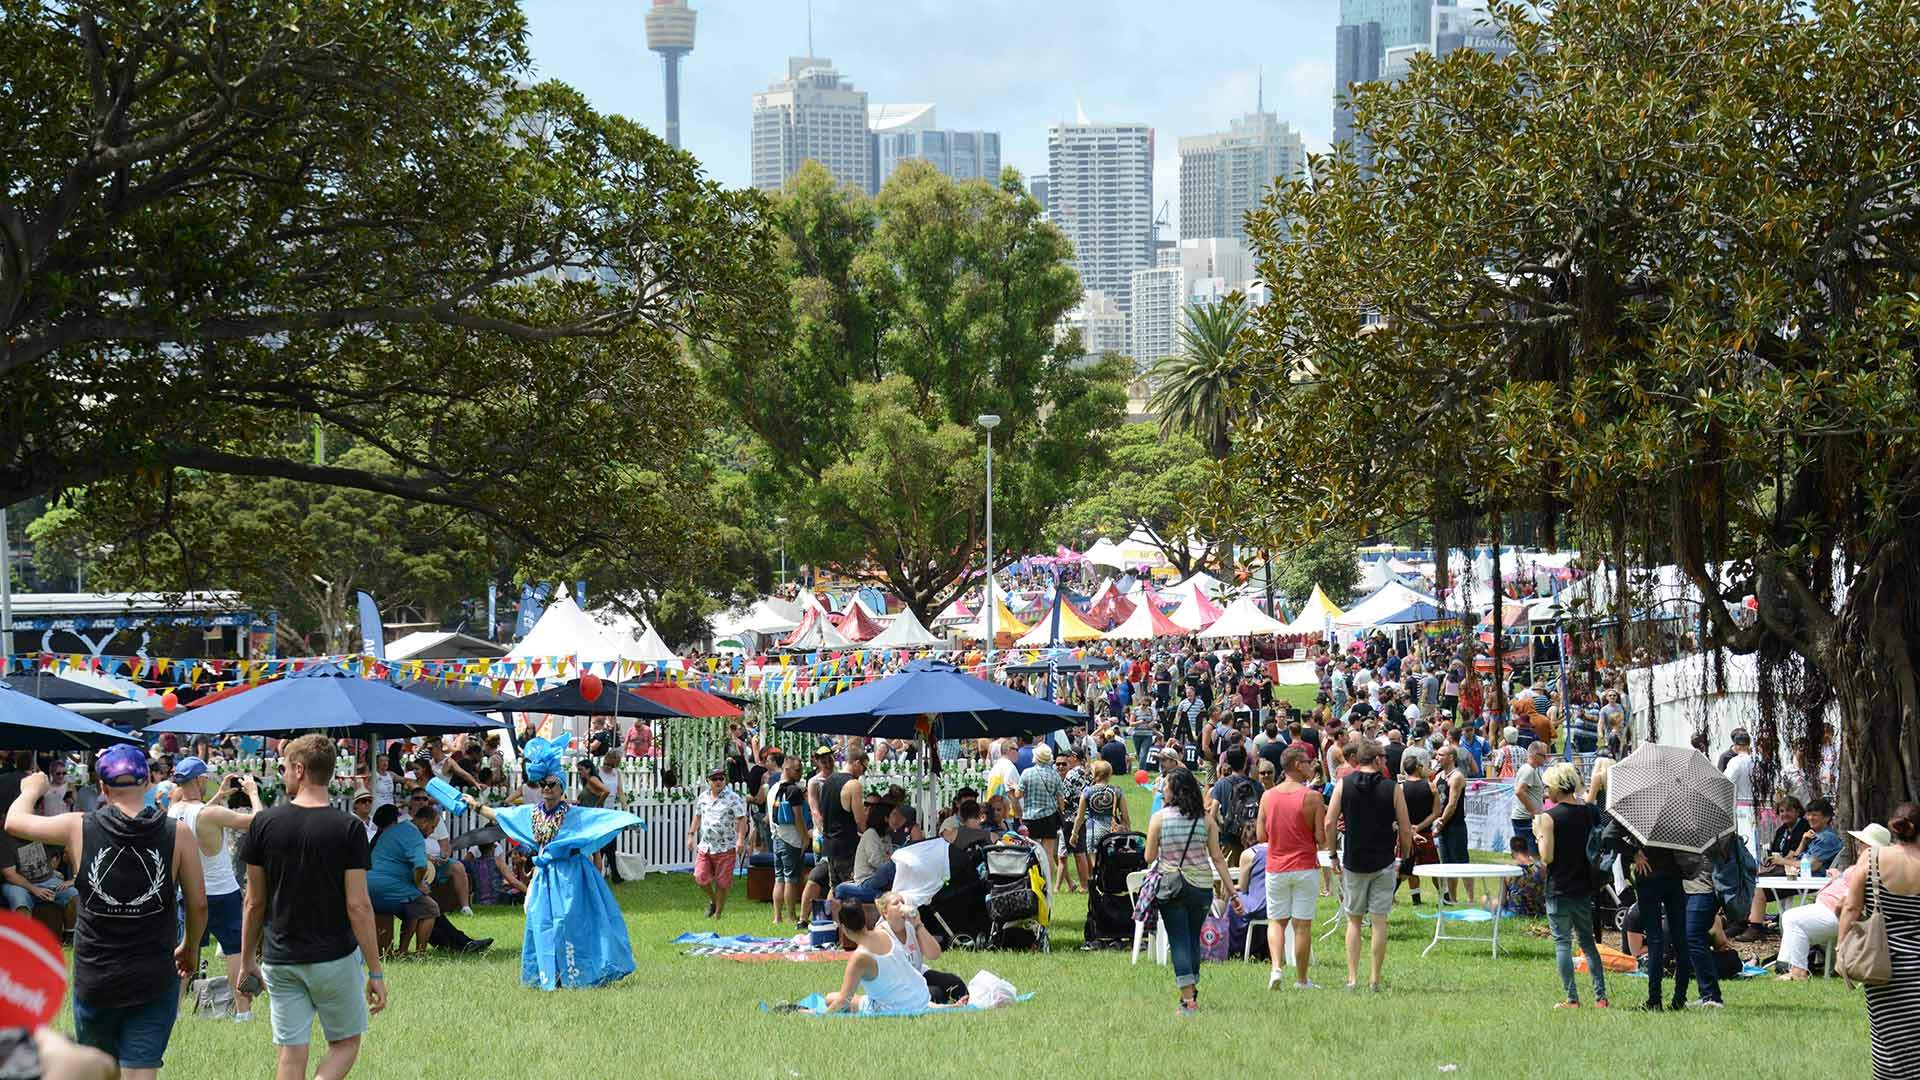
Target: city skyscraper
670,25
1225,174
811,115
901,132
1357,55
1100,194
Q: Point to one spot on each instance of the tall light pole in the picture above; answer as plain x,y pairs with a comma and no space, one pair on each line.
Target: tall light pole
989,421
782,523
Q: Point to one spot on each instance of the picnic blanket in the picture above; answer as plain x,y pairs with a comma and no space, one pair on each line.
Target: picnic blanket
748,948
816,1005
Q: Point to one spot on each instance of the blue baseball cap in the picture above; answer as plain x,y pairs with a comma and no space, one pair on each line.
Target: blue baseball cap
188,768
121,766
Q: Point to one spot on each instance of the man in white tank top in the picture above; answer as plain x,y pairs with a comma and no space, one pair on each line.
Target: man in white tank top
209,822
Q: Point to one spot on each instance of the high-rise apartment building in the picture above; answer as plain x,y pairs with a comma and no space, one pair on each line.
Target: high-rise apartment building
1102,325
811,115
1356,59
1100,194
1159,310
1037,187
1226,174
963,155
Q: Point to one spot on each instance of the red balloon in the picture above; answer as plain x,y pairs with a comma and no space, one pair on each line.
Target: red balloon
169,701
590,686
1140,777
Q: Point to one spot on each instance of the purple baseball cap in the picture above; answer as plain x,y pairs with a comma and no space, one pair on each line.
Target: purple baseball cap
121,766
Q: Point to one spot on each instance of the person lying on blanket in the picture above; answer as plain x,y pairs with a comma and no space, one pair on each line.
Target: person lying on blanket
879,968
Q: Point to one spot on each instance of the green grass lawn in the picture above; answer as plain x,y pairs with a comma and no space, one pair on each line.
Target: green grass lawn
1093,1016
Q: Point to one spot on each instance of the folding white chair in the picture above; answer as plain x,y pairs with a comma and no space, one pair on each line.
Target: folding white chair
1140,929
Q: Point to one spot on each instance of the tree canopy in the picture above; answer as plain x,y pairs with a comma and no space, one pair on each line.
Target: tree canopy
1326,561
1652,275
221,222
1148,482
903,317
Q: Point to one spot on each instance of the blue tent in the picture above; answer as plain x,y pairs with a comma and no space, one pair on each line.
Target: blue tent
27,723
325,697
1418,612
965,707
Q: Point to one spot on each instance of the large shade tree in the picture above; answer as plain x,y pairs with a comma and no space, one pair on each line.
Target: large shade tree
1145,487
1651,275
222,221
904,317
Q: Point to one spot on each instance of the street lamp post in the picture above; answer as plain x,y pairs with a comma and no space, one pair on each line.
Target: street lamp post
782,523
989,421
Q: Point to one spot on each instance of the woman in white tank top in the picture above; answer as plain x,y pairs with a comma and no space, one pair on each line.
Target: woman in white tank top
886,981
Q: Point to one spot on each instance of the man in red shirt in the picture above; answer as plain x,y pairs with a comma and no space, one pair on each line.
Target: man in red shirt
1293,820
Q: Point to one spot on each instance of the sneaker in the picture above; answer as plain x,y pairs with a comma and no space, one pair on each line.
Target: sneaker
1708,1003
1601,1003
1351,988
709,909
1188,1008
477,945
1649,1006
1566,1005
1308,985
243,1017
467,910
1378,988
1276,979
1754,932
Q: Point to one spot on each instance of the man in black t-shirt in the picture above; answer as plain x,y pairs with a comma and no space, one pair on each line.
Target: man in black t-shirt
307,896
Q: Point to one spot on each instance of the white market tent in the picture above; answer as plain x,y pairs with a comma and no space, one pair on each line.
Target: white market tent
440,645
1314,614
565,630
1243,618
1387,606
905,632
635,638
1205,582
1105,552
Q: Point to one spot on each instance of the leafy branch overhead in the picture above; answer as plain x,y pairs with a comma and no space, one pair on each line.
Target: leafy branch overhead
1652,274
221,222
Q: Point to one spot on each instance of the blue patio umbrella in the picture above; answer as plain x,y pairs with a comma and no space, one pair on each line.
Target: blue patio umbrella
325,697
963,707
27,723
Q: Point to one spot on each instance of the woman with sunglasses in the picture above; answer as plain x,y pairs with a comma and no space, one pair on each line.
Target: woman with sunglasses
575,936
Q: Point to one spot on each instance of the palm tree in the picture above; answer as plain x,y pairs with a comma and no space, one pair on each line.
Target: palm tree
1190,388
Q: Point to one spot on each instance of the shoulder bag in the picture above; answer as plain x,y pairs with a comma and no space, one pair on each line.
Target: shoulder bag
1159,886
1862,956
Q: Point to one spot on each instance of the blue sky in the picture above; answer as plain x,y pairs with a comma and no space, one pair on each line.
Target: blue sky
1011,66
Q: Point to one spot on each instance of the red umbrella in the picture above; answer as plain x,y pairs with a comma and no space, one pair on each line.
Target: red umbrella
682,699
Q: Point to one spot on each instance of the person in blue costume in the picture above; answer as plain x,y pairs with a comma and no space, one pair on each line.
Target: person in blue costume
575,935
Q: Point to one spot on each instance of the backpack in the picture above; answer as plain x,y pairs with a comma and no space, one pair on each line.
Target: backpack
1239,814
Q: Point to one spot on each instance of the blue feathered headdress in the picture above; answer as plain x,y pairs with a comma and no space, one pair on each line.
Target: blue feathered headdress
543,757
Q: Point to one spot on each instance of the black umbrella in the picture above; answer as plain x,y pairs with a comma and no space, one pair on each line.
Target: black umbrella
613,700
55,690
485,834
461,695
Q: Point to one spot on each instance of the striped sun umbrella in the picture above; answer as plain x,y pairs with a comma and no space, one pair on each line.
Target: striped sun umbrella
1671,797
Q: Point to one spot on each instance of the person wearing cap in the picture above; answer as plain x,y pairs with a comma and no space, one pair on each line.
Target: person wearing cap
1818,923
716,833
128,955
208,820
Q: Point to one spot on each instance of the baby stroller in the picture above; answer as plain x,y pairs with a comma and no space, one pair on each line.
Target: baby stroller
957,914
1109,911
1016,897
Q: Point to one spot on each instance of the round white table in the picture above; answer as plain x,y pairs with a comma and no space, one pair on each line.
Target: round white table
1485,871
1798,888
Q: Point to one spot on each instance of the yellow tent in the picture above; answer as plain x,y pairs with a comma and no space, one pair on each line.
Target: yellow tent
1315,615
1073,628
1004,624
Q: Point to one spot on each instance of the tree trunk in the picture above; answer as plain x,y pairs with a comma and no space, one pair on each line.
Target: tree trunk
1871,661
